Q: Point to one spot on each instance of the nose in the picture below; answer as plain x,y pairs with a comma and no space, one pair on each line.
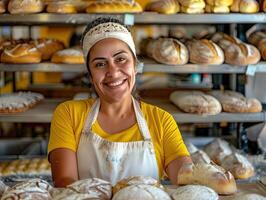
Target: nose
113,69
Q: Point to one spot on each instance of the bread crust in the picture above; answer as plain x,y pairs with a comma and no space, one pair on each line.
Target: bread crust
2,7
61,7
68,56
163,6
25,6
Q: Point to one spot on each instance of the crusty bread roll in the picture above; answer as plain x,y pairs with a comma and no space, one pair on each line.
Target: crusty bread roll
143,192
217,150
216,9
48,47
208,175
199,157
170,51
21,53
68,56
147,47
2,7
251,196
194,192
30,184
178,31
255,37
67,194
193,4
245,6
235,102
95,186
163,6
61,7
25,6
238,165
136,180
196,102
262,48
107,6
204,52
29,194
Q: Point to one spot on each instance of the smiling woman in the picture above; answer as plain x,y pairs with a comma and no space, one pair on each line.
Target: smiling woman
114,136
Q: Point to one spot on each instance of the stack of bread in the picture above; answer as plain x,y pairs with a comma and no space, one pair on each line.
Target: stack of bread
192,6
222,154
163,6
245,6
236,52
166,50
258,38
218,6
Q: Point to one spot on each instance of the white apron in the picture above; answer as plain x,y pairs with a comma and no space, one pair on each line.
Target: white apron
112,161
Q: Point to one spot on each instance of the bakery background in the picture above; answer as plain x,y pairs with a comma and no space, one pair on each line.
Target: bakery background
171,63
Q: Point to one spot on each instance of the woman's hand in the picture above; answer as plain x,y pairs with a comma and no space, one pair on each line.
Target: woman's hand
174,166
64,167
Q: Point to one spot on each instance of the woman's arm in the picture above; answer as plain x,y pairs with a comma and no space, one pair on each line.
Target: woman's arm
174,166
64,166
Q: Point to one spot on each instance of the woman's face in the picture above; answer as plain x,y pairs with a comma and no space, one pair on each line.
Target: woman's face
112,68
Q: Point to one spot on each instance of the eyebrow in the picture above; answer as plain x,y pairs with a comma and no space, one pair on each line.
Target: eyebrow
102,58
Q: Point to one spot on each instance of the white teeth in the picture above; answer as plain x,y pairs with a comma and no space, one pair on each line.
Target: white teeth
115,83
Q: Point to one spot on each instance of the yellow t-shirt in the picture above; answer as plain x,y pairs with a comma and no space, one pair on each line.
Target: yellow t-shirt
69,118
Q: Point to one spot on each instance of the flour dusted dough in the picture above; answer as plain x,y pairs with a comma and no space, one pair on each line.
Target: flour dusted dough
68,194
33,193
194,192
143,192
249,197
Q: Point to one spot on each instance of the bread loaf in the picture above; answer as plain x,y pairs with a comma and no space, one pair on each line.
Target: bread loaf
245,6
194,192
25,6
192,10
2,7
68,56
217,9
61,7
208,175
217,150
235,102
136,180
170,51
196,102
193,4
204,52
21,53
25,195
143,192
255,37
238,165
218,3
163,6
113,6
262,48
199,157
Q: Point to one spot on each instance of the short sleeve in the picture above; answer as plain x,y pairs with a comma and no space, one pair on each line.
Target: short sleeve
61,131
172,140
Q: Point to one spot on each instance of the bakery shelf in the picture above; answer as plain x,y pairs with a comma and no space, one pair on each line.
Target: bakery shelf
261,67
152,66
43,67
182,117
49,18
154,18
40,113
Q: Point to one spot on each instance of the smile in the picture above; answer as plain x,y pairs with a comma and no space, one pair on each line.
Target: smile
116,83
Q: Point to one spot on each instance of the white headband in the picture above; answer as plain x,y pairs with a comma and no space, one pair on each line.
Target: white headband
107,30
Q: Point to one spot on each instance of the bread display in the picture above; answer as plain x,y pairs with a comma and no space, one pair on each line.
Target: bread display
208,175
170,51
25,6
19,102
235,102
48,47
21,53
204,52
113,6
199,157
196,102
163,6
143,192
238,165
68,56
63,7
2,7
249,197
217,150
235,51
194,192
136,180
245,6
94,186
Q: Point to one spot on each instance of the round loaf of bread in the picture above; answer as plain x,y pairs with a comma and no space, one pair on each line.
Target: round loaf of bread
68,56
196,102
238,165
194,192
217,9
136,180
94,187
262,47
249,197
32,184
61,7
200,157
25,6
192,10
21,53
164,7
143,192
75,196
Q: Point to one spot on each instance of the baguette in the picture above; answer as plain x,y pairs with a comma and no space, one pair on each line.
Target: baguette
209,175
